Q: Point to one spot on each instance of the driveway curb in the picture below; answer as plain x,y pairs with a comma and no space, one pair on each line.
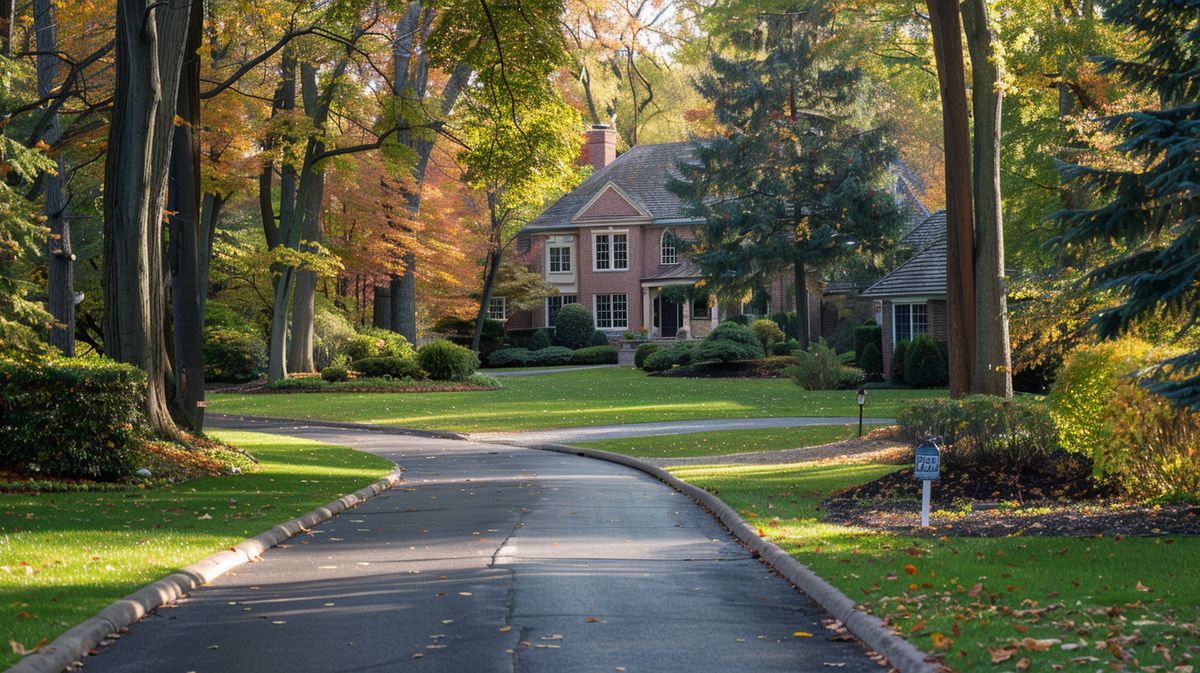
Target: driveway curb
70,647
216,419
868,628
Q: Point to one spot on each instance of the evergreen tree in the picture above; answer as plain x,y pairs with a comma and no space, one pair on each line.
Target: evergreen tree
792,182
1151,204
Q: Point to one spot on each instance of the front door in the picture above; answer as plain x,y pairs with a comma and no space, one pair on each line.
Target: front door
670,317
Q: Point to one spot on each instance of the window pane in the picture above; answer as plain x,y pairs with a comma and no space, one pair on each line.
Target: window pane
603,310
920,319
602,252
903,323
669,255
496,308
700,308
620,311
620,247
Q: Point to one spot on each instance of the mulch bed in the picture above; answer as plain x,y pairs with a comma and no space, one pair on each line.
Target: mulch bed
1062,500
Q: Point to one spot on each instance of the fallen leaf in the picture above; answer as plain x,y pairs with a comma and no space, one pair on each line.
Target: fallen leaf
910,569
802,634
505,629
941,642
975,590
1023,664
1143,587
1002,654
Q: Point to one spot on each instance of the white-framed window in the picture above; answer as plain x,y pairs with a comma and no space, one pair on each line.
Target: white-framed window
559,258
610,252
554,305
497,308
701,307
611,311
669,254
908,321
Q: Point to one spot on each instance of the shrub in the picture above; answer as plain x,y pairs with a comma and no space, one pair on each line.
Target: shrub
378,343
396,368
729,342
509,357
899,354
539,340
595,355
788,323
868,333
232,357
769,333
985,432
454,325
445,361
331,334
738,319
72,418
1102,409
925,364
871,362
333,374
644,351
573,326
819,368
680,354
785,348
519,338
551,357
599,339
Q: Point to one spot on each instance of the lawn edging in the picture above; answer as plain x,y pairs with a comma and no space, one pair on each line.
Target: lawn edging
216,419
65,650
868,628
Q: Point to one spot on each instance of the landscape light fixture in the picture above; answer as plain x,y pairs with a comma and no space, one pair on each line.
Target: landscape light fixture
862,400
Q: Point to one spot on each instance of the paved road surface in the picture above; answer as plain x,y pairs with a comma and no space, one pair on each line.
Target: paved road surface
598,432
494,558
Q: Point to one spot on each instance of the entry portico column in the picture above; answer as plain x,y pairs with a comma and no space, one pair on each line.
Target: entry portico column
647,310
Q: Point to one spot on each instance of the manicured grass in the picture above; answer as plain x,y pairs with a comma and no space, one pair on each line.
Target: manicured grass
726,441
572,399
64,556
967,597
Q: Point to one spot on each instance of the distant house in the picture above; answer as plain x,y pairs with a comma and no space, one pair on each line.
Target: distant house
913,296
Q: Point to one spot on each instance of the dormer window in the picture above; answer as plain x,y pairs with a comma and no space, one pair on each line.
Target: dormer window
669,254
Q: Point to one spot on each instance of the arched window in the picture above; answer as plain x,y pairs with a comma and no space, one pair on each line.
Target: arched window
669,254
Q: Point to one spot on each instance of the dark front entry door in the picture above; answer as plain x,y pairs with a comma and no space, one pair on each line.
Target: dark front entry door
670,317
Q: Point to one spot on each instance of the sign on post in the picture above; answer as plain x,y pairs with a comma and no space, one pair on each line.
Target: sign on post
928,466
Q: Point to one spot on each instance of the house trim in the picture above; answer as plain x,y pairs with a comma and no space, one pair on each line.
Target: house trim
579,219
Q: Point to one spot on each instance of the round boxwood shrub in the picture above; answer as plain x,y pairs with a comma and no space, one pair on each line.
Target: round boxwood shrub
924,366
539,340
335,374
595,355
788,347
867,333
231,356
899,354
396,368
644,351
573,326
871,361
729,342
509,357
769,333
680,354
73,418
445,361
599,339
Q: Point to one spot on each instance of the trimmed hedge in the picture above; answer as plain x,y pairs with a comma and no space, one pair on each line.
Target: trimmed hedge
595,355
644,351
769,333
788,347
231,356
445,361
599,339
539,340
899,355
71,418
573,326
334,374
729,342
396,368
985,432
661,360
925,363
868,333
788,323
871,362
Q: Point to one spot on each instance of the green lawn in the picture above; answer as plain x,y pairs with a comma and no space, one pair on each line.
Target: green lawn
64,556
571,399
1101,599
726,441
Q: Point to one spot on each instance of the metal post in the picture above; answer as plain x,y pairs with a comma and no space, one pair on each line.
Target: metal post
860,412
862,400
925,503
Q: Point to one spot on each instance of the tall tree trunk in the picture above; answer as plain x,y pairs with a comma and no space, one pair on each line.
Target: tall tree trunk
960,234
993,360
489,282
7,13
210,214
149,46
800,279
61,269
183,199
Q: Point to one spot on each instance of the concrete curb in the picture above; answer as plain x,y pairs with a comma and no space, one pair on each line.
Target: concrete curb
868,628
216,419
70,647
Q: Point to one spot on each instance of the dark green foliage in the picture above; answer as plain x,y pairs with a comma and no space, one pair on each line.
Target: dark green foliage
1151,202
461,331
553,356
820,368
787,322
899,354
334,373
983,432
729,342
595,355
70,418
396,368
232,356
785,348
738,319
598,339
509,357
520,338
871,361
868,333
644,351
573,326
681,354
925,363
445,361
539,340
454,325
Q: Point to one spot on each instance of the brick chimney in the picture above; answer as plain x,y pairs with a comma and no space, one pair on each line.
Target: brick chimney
599,146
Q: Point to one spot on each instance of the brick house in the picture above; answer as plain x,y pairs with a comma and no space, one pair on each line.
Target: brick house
911,300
